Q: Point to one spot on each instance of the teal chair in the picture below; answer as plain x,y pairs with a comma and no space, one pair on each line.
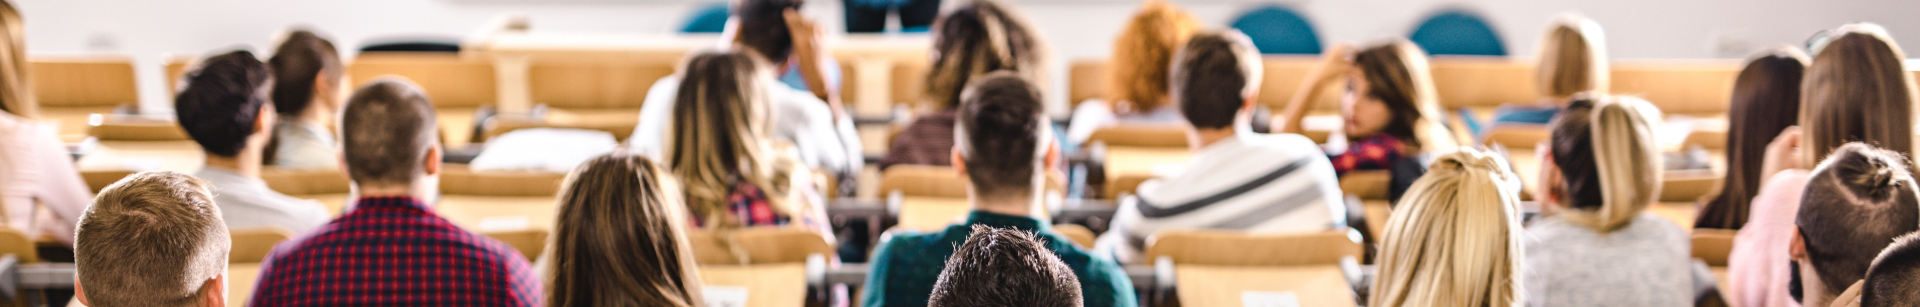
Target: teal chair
1457,32
1277,29
707,18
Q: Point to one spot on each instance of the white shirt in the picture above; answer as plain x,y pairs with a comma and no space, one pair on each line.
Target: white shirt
1094,114
798,117
304,147
1263,183
37,173
248,203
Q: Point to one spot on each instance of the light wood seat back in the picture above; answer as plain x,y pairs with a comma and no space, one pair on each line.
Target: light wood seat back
1693,87
1087,79
176,66
590,86
1142,135
923,180
458,179
1367,184
251,245
1474,81
767,285
100,179
66,81
111,130
19,245
450,80
1283,76
1310,285
1231,248
759,245
1713,245
530,242
306,181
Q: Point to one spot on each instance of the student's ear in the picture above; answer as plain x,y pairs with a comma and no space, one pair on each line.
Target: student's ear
214,292
80,292
325,91
1797,247
959,164
1247,105
263,121
432,164
1053,156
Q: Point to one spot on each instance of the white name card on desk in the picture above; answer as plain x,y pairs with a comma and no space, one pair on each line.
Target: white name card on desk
1269,299
724,296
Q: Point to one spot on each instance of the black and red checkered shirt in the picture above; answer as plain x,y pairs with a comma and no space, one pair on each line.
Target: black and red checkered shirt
394,252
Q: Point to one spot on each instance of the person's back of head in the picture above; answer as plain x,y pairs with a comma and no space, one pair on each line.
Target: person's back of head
1215,77
1766,100
1856,90
720,133
16,91
1608,163
1142,54
152,239
620,240
978,37
305,68
1856,202
224,103
763,27
1573,57
1455,239
1003,138
1005,267
1894,277
389,135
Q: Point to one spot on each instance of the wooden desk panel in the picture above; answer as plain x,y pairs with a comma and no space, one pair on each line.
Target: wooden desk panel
96,80
1204,285
768,285
241,279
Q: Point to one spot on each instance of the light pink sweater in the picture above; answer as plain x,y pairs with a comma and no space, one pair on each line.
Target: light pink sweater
42,193
1757,268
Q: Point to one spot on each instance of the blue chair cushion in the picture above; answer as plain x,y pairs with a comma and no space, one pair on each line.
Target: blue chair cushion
708,18
1278,29
1457,32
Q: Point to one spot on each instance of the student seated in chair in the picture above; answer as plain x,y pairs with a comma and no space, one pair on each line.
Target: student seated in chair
1857,202
1390,110
1573,59
805,106
225,108
1595,244
620,238
1290,188
1455,240
389,248
979,37
307,86
1005,267
721,150
36,171
1003,147
152,239
1137,91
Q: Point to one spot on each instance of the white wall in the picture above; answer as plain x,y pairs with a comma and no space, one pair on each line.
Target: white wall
1076,28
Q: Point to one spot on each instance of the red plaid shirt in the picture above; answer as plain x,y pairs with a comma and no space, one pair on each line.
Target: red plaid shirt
394,252
1377,152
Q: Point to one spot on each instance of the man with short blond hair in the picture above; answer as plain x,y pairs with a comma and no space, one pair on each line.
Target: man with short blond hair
152,239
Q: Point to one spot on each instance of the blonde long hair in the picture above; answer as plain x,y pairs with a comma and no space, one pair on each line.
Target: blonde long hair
1143,55
1455,239
1573,57
719,136
620,238
1608,161
16,92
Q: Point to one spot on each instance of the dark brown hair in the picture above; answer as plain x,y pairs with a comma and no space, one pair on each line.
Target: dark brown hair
1857,90
1857,201
1894,278
763,27
620,239
1005,267
979,37
222,101
300,59
151,239
1001,134
386,128
1212,77
1766,100
1391,79
1609,164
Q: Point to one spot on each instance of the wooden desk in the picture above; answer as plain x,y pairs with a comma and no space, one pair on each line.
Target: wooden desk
768,285
485,213
931,213
240,282
179,156
1205,285
1127,167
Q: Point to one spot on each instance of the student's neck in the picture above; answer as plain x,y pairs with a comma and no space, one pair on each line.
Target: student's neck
247,163
1017,205
1198,138
315,116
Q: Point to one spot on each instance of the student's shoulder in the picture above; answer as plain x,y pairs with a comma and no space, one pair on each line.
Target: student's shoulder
1287,143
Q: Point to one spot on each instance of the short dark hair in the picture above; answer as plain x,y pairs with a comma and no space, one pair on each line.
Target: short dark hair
1857,201
386,128
222,101
1894,278
152,239
1001,126
1005,267
1212,77
296,63
763,27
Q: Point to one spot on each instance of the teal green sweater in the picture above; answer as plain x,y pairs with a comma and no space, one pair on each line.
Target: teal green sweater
905,267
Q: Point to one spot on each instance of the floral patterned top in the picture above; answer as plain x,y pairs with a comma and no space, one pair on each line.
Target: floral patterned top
1372,153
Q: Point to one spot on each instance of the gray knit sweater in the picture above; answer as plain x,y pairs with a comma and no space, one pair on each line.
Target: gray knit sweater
1643,264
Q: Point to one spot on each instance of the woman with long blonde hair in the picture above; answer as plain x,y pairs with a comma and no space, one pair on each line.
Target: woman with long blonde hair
1856,89
1572,60
36,173
1455,238
1137,79
721,151
620,238
1595,243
